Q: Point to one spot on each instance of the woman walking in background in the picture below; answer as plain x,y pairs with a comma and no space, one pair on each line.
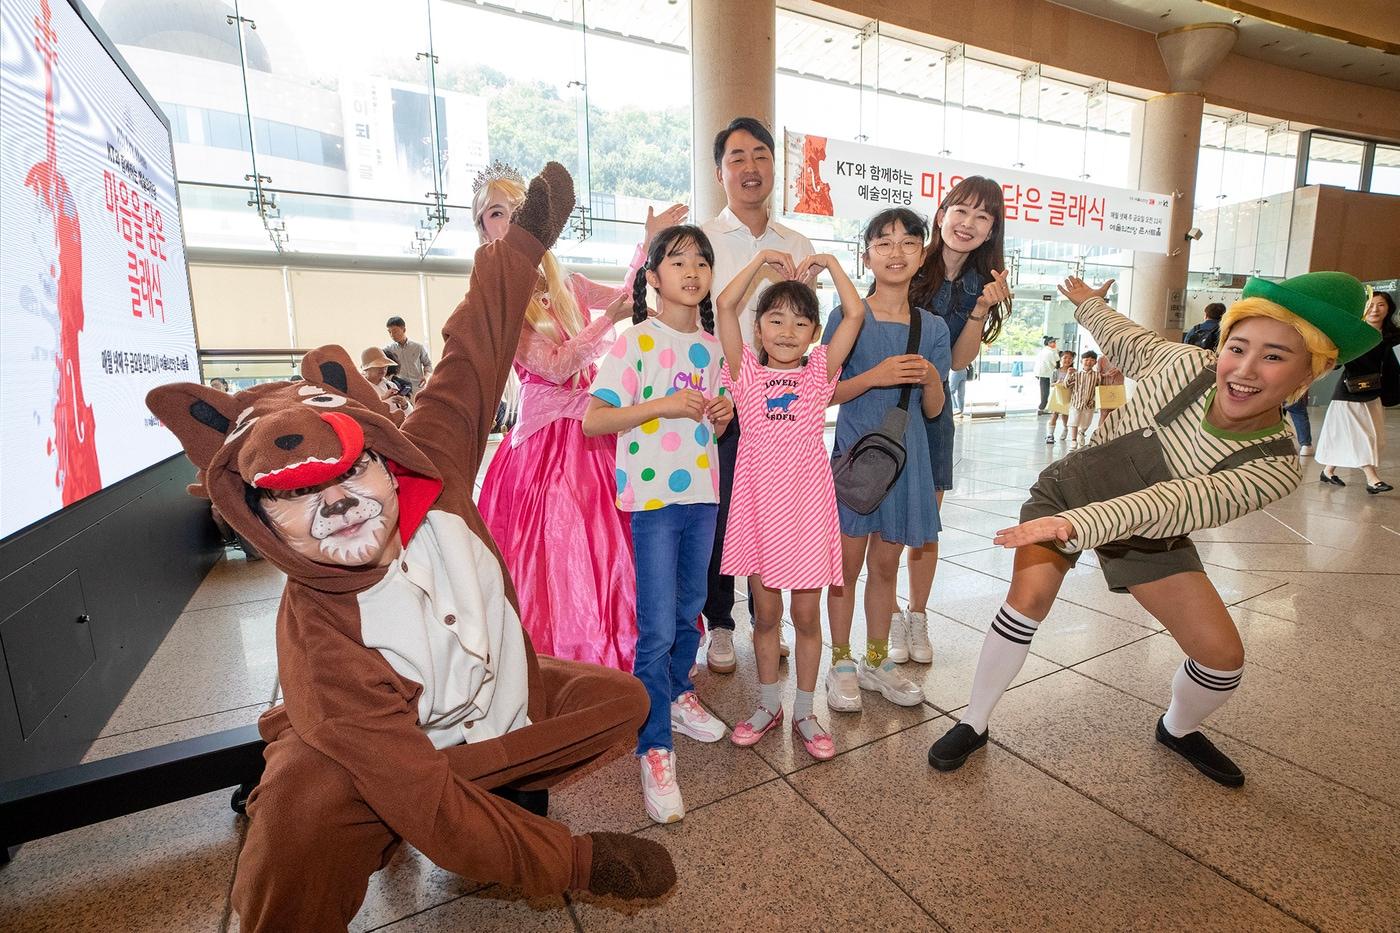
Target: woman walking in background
1353,430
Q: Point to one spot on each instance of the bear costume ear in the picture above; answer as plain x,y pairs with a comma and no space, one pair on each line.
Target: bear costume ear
199,416
332,367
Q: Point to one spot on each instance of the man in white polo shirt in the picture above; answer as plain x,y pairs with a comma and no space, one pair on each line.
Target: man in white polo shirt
744,167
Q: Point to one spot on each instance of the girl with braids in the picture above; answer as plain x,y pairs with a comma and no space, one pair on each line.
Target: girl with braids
659,388
547,495
962,280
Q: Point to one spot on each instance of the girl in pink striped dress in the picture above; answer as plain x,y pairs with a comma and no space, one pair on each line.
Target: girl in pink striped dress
783,531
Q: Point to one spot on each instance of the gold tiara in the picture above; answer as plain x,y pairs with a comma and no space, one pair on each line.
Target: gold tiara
496,171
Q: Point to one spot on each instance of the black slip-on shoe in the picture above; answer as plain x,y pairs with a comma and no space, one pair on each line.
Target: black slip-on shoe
1203,755
1334,479
949,752
1382,486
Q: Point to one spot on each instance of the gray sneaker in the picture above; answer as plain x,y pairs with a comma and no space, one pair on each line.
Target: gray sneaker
899,638
719,656
890,683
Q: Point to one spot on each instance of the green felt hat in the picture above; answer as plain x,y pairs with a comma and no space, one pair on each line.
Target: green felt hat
1333,302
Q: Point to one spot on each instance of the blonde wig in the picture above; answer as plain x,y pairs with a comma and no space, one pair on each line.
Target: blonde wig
1319,345
557,288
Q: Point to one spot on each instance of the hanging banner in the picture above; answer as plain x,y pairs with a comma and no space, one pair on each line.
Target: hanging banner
838,178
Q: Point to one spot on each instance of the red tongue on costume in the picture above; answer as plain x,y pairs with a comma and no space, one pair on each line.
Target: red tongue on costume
314,472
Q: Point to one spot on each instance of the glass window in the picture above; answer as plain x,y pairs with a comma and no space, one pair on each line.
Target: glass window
1333,161
639,145
1385,171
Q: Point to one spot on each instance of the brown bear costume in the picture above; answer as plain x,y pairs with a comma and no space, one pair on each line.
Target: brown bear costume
410,690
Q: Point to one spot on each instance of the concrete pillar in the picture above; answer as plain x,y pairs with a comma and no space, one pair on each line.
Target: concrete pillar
733,68
1168,153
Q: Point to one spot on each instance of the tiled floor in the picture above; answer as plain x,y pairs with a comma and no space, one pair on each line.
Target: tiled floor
1072,819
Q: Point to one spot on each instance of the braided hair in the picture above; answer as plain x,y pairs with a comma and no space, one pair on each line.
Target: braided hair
666,243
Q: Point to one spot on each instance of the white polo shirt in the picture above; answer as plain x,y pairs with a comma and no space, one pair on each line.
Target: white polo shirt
735,246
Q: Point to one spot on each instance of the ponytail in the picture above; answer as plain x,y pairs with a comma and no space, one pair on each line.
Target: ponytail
639,297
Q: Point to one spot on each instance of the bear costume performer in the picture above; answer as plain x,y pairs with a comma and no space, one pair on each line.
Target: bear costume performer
410,690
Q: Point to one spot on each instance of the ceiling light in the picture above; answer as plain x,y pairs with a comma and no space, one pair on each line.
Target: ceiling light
1166,14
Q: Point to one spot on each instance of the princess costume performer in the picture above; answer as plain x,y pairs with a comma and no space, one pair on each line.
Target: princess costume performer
549,492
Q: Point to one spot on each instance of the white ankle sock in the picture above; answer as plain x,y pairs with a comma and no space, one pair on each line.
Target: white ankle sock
1197,691
1003,654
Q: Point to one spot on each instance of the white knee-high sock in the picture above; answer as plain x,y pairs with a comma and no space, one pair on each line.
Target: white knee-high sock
1197,691
1003,654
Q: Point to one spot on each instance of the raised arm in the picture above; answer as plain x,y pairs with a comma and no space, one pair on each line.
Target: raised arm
852,309
730,303
452,416
593,294
1137,350
558,362
993,293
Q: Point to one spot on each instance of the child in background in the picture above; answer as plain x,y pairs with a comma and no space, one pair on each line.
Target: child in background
1109,375
1056,378
879,365
783,531
1082,383
658,389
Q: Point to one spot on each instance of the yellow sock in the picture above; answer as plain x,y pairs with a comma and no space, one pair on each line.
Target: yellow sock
876,650
840,653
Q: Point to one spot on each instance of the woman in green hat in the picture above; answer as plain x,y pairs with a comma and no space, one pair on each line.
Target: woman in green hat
1201,442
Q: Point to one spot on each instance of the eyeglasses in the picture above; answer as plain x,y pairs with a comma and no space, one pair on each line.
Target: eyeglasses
908,247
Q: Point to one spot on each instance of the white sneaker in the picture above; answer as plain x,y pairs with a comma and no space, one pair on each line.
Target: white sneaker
1306,450
899,638
843,687
689,718
660,791
719,656
920,649
890,683
1072,445
783,649
1049,438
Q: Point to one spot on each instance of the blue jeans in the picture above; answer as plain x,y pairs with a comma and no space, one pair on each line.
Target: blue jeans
1298,411
957,387
673,546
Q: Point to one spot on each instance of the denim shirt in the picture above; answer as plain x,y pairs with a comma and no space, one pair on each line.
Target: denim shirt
955,300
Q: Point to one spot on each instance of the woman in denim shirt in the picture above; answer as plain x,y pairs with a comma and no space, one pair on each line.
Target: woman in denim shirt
962,282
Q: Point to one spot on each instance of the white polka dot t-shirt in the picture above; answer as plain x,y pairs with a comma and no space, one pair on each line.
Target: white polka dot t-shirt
666,461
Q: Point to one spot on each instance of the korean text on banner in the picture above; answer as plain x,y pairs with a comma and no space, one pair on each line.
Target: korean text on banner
838,178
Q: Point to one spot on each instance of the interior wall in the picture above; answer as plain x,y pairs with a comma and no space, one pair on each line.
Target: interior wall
1347,231
242,307
1041,31
245,307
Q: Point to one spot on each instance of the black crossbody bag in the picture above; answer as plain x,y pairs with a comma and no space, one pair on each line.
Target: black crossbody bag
865,472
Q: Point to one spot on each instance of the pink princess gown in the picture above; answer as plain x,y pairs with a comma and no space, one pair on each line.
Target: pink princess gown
549,498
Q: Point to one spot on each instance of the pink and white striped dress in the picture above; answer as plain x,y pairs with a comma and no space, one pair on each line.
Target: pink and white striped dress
782,514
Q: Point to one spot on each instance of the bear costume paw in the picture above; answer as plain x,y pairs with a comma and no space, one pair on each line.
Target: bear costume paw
629,867
547,205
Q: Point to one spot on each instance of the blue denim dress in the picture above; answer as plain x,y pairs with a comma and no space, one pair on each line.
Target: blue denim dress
953,302
908,514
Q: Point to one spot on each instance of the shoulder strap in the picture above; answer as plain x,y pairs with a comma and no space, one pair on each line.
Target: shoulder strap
1278,447
915,325
1186,397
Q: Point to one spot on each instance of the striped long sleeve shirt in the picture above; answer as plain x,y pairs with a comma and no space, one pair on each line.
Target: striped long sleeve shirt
1195,498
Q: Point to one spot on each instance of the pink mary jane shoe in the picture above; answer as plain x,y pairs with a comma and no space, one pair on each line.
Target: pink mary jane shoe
819,746
745,734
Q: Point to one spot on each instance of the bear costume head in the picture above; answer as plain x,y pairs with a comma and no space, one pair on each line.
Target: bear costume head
285,438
